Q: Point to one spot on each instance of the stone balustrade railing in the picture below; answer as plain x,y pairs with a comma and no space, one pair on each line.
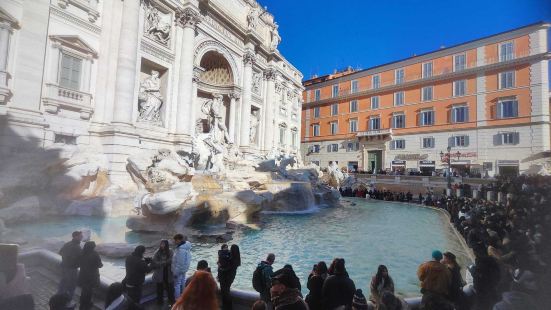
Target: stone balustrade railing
61,97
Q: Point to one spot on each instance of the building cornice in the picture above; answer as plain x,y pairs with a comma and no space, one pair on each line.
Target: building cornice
75,20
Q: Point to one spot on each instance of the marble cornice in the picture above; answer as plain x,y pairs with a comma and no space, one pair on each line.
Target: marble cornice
75,19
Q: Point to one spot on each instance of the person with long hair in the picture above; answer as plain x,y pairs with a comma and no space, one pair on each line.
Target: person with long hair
315,285
88,278
380,283
200,294
229,277
338,289
162,272
455,294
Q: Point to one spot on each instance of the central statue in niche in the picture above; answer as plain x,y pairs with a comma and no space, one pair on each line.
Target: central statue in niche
217,129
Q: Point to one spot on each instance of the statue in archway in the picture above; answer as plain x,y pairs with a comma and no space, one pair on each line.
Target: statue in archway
255,121
217,129
150,99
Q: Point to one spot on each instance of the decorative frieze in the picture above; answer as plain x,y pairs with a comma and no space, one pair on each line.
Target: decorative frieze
156,51
249,58
257,83
157,24
270,74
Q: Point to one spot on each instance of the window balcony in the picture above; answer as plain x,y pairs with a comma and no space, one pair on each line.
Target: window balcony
58,97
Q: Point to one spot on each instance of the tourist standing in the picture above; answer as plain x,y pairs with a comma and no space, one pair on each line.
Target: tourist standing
262,278
228,262
486,276
289,269
284,293
521,296
70,254
380,283
201,293
455,294
338,289
202,265
136,268
180,262
88,277
162,272
435,281
315,285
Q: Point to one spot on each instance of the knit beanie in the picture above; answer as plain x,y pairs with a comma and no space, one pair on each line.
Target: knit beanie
359,302
437,255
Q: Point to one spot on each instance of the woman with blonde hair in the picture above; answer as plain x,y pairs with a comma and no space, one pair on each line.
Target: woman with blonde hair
200,294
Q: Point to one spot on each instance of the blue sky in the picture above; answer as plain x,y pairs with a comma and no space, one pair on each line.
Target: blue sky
322,35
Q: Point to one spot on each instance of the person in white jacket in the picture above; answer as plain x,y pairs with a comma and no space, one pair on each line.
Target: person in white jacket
180,263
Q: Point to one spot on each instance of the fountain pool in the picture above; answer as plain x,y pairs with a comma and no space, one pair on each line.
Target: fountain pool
365,233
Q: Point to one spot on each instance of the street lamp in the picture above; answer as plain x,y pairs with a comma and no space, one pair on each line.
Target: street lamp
449,165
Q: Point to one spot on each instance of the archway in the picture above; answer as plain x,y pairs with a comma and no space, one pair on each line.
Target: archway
217,70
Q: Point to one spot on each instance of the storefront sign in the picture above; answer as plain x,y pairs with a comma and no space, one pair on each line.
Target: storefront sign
415,157
507,162
398,162
427,163
458,155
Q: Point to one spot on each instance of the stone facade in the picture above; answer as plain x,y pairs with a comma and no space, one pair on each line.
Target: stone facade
131,76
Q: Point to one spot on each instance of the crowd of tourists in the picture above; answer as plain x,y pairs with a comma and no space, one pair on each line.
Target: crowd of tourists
508,239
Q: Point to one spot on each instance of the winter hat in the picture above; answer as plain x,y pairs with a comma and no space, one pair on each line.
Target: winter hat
359,302
437,255
284,278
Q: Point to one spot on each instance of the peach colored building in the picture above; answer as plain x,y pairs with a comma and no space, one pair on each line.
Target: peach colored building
487,99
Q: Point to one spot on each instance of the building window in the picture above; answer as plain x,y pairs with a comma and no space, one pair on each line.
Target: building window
335,109
374,102
506,51
459,88
508,138
399,76
399,144
353,106
398,121
354,86
335,91
507,108
332,148
317,94
308,95
315,148
426,93
428,143
316,112
399,98
376,81
334,128
459,62
352,146
65,139
459,141
426,118
375,123
427,70
316,130
282,134
71,68
506,79
353,125
315,162
460,114
294,138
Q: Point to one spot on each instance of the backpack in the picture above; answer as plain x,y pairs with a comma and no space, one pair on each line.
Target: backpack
258,279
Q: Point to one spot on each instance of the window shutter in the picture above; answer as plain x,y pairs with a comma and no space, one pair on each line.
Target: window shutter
515,108
419,118
517,137
453,118
466,140
392,145
498,110
329,148
498,139
466,114
451,141
432,142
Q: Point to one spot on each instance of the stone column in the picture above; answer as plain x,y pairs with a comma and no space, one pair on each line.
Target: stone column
5,31
248,60
233,115
126,64
188,19
270,75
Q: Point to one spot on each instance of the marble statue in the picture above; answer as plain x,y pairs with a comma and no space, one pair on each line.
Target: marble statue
257,83
336,176
252,18
275,37
217,129
157,25
151,99
255,121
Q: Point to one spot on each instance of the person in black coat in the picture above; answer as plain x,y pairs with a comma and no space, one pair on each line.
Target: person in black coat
315,285
88,278
289,269
136,269
338,289
70,253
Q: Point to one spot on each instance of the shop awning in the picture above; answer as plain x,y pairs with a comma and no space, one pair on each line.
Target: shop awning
509,163
398,163
427,163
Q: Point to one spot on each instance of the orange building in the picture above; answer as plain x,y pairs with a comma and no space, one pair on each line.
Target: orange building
487,99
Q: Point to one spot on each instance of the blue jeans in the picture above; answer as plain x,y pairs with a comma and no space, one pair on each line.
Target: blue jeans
179,284
68,282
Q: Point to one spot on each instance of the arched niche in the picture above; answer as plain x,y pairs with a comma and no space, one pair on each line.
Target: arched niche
216,70
208,46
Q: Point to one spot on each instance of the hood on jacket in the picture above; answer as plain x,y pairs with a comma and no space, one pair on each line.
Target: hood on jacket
184,246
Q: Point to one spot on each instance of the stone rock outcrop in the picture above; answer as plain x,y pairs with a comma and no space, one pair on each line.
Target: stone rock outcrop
24,210
91,207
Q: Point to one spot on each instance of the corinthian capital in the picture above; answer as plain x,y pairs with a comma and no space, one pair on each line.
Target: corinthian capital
270,74
249,58
187,17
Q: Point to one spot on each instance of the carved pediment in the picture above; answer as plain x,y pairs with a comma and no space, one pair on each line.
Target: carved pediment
6,17
76,43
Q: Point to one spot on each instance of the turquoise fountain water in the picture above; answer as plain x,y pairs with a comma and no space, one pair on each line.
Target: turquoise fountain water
367,234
